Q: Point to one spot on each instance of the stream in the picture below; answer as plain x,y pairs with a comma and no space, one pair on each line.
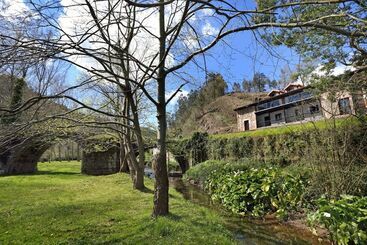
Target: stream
244,229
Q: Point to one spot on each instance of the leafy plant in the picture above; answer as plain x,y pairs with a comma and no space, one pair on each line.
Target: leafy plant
202,171
346,218
256,191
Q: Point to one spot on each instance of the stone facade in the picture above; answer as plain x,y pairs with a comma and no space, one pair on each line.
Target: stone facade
246,115
331,107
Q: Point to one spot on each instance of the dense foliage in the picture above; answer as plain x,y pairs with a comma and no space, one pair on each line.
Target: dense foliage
259,83
189,107
270,174
343,41
256,191
16,101
201,172
100,143
334,152
346,219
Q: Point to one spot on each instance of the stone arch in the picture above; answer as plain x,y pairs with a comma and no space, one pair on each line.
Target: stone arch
63,149
178,150
21,156
183,162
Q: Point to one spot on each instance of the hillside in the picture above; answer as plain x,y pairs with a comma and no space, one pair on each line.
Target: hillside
218,116
40,109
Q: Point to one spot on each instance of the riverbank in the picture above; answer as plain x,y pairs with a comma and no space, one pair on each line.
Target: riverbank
58,205
294,230
250,230
264,195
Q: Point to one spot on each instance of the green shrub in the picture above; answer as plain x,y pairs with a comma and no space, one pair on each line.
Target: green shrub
199,173
216,149
346,219
198,147
256,191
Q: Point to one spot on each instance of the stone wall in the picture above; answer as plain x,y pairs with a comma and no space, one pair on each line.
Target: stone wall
101,163
244,115
330,107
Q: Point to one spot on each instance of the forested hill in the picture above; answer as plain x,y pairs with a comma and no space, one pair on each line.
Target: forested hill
210,108
216,117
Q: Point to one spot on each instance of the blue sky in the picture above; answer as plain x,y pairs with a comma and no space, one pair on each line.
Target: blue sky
244,57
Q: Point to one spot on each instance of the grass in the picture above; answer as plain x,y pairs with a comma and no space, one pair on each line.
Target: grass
58,205
290,128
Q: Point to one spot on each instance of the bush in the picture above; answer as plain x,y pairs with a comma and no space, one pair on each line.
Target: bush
199,173
256,191
346,219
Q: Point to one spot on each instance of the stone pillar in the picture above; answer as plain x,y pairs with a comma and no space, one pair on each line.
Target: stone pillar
101,163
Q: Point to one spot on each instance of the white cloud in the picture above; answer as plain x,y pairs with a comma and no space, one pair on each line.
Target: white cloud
12,9
76,21
209,30
338,70
190,41
177,96
207,12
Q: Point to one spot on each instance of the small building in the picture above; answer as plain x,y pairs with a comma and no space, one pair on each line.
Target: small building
295,103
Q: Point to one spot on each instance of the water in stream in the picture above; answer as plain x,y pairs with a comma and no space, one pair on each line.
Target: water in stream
245,230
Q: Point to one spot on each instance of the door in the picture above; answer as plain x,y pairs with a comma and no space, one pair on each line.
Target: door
344,106
246,125
267,121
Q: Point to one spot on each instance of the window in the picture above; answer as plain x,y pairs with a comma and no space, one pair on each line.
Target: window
267,105
278,117
296,112
246,125
293,98
299,97
314,109
344,106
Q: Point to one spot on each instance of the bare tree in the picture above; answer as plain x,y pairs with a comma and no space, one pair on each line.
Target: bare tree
133,44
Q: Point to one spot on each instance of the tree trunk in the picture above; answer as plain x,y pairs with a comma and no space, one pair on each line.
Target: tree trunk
123,161
139,178
159,161
136,167
137,175
161,185
140,165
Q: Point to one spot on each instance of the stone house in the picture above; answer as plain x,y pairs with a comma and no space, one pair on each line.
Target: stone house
295,104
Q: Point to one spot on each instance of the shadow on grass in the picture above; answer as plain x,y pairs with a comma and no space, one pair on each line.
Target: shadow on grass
174,217
54,173
41,173
147,190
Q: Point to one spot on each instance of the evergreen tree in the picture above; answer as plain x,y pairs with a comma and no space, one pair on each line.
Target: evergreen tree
247,85
259,81
16,101
237,87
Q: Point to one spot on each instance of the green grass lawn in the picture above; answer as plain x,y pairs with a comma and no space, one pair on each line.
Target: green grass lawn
58,205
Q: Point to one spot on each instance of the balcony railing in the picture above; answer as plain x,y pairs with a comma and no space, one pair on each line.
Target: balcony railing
288,119
288,100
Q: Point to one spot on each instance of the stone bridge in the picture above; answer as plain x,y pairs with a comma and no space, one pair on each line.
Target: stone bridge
20,156
101,153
